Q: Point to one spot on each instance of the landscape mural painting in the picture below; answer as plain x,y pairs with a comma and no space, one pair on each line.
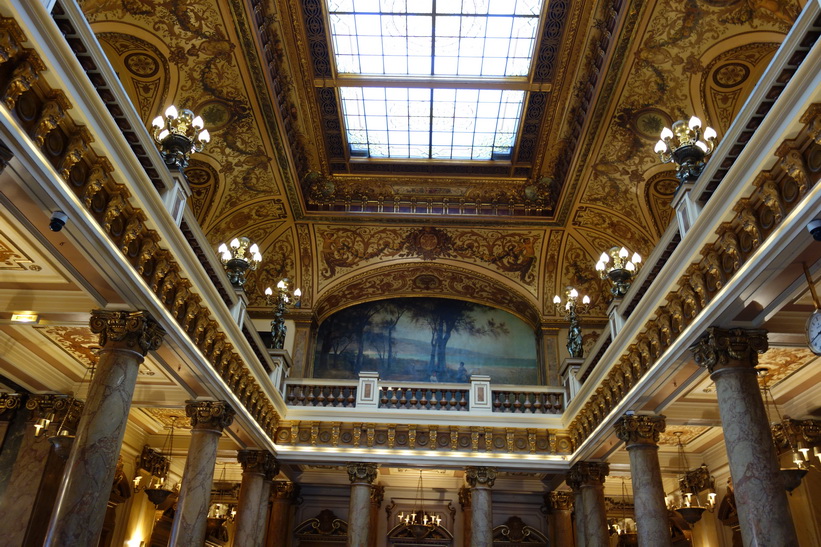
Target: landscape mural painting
427,340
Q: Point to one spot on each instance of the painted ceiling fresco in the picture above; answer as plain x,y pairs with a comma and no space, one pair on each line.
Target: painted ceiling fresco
607,76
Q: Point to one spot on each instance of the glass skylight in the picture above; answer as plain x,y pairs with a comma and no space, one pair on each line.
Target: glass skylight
434,40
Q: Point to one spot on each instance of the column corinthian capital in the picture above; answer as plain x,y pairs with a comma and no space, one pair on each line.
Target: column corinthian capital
559,500
480,476
362,472
586,474
136,331
214,415
640,429
720,349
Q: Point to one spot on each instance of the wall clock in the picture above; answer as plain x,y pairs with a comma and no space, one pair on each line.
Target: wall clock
814,320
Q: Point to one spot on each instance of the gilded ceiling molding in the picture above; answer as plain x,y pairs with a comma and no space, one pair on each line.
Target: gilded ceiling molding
66,146
401,438
418,279
774,194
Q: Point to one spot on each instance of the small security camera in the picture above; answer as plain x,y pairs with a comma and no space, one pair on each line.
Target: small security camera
814,227
59,219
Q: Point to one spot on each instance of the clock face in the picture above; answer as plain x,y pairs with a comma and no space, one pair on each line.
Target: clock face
814,332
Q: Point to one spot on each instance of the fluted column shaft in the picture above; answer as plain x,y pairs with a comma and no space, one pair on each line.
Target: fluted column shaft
361,476
641,433
731,356
125,339
588,478
208,419
559,523
481,480
282,496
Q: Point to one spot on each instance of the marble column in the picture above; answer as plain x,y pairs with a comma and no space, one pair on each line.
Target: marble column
125,339
271,471
641,434
464,502
9,404
578,510
588,479
361,476
559,522
731,356
283,494
480,480
254,467
377,495
208,419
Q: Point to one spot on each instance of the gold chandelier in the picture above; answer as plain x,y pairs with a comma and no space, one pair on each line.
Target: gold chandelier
615,266
239,256
683,144
419,521
691,483
179,133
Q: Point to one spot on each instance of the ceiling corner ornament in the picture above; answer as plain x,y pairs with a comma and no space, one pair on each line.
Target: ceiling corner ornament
128,330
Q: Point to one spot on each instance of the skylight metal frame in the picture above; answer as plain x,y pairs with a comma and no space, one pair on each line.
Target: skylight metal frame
506,83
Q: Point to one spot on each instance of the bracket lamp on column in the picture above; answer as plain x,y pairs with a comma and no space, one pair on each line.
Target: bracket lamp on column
615,266
179,133
571,311
284,297
239,256
687,146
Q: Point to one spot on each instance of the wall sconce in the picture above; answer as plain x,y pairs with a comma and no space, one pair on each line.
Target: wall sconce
179,134
239,256
683,145
280,303
613,265
571,310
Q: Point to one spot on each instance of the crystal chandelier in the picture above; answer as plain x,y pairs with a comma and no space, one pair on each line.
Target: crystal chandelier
615,266
284,297
683,144
179,134
571,311
239,256
419,521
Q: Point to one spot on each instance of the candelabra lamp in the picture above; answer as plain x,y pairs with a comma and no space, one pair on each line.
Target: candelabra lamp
691,484
615,266
571,311
239,256
683,144
179,133
284,297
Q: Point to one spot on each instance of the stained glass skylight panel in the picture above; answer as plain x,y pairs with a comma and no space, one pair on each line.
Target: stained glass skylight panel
455,41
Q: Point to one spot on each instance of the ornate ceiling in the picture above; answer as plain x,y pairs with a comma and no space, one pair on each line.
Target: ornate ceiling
607,76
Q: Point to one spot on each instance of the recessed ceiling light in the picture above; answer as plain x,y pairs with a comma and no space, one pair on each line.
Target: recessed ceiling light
24,317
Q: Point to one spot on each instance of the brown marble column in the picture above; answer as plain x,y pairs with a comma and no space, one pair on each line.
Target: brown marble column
361,476
731,356
641,435
125,339
559,522
377,495
464,502
208,419
588,479
271,471
10,403
480,480
283,494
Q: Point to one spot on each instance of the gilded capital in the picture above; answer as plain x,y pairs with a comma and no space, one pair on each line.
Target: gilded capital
559,500
464,498
9,403
284,490
480,476
720,349
216,415
640,429
362,472
377,494
587,474
258,461
136,331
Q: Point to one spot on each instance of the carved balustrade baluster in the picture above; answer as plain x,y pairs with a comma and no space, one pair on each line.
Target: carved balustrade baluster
413,400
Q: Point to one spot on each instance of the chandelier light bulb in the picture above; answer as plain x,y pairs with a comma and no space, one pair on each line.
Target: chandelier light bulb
163,134
600,266
257,257
158,122
710,133
281,285
604,258
557,300
702,145
254,249
636,258
586,300
298,292
695,123
623,253
171,112
223,248
197,122
630,267
573,293
234,243
204,136
666,133
661,147
269,291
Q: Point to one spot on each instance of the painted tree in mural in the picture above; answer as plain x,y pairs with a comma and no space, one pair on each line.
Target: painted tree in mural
445,318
